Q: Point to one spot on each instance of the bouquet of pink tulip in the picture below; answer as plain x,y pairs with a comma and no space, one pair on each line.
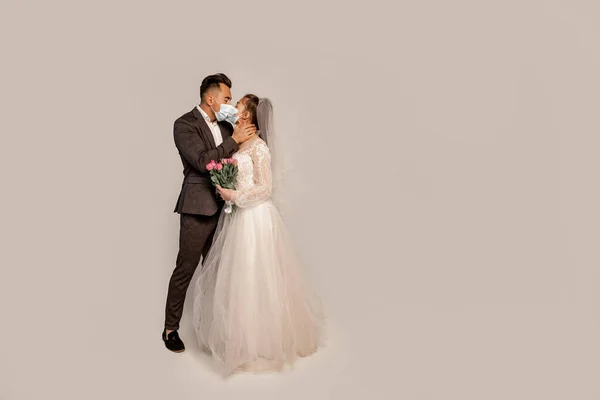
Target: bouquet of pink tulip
224,174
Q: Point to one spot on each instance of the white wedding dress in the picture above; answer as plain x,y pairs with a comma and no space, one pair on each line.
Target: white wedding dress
252,310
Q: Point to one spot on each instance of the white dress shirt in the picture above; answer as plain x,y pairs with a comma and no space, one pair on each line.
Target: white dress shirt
214,127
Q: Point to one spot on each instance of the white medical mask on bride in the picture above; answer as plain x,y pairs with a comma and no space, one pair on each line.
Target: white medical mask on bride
226,112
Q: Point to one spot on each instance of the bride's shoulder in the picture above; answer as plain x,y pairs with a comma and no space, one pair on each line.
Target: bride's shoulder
258,144
259,149
251,144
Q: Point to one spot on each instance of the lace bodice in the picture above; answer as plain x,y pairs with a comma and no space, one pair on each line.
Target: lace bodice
254,181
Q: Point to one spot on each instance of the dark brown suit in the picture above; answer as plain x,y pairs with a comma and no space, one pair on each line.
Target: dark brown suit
197,202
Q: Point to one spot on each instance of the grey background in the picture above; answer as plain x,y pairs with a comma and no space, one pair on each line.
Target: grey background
446,193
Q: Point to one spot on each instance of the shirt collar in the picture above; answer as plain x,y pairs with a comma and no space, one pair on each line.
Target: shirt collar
205,115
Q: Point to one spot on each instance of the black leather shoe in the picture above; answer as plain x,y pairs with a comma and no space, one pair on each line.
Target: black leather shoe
173,342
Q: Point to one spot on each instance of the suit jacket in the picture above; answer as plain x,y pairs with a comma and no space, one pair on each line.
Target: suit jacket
196,146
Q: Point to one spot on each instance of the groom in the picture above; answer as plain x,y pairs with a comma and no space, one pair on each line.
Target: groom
200,136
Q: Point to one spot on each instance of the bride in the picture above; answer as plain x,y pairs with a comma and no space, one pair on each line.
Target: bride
251,308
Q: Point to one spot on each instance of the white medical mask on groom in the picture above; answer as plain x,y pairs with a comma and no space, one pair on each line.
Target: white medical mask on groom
226,112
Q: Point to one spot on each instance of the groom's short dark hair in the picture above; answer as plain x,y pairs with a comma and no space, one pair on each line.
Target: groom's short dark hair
214,81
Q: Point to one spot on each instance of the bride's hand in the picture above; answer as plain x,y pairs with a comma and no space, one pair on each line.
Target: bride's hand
226,194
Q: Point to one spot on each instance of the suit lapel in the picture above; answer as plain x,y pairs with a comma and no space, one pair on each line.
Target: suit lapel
204,127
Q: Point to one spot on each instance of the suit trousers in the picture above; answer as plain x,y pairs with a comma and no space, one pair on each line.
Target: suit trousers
196,234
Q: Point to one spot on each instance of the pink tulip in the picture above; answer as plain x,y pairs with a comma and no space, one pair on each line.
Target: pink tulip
219,166
226,161
209,167
234,161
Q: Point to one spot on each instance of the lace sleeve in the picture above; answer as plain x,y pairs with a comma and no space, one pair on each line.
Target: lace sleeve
263,184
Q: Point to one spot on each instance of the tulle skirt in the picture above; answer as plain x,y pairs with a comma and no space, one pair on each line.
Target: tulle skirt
252,308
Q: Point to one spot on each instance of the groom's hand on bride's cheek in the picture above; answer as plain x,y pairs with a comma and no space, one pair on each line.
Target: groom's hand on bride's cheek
241,133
